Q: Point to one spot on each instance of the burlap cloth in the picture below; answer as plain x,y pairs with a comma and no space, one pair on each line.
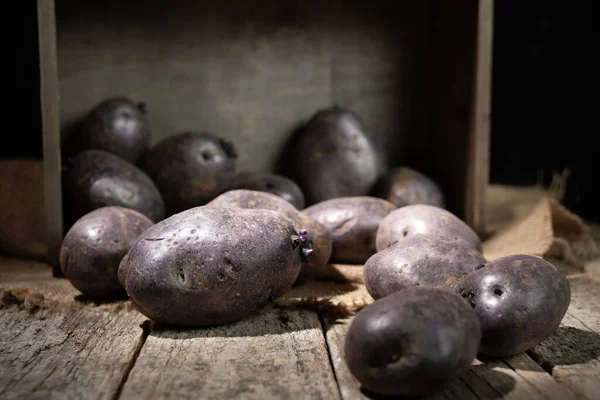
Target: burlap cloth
519,220
537,224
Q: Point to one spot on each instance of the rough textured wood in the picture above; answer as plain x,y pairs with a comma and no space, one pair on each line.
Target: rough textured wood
572,353
51,128
274,355
479,138
79,355
514,378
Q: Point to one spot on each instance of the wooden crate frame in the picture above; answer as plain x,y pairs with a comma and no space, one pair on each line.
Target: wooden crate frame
466,95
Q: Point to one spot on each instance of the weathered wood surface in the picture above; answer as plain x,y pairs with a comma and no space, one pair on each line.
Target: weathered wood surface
55,343
514,378
278,354
84,354
572,354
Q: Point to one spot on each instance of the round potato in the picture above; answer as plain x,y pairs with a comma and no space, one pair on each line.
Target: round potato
94,246
117,125
212,265
352,223
422,218
275,184
190,168
412,343
318,234
420,260
405,186
97,179
333,156
520,301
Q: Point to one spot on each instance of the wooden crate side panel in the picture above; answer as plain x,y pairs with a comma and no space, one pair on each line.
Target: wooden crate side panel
460,95
51,129
249,70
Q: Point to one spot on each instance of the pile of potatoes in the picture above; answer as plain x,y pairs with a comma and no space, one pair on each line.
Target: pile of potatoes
192,241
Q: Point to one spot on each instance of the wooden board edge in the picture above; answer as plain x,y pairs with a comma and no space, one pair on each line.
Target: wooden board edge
479,162
50,128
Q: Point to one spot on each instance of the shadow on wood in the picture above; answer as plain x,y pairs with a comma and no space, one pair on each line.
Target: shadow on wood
269,321
569,346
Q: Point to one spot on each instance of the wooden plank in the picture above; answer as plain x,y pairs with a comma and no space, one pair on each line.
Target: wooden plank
514,378
572,353
51,130
273,355
84,354
479,138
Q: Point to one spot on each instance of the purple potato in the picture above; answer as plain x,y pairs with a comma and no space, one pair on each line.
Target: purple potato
412,343
97,179
353,223
334,156
117,125
405,186
317,233
420,260
275,184
520,301
212,265
422,218
94,246
190,168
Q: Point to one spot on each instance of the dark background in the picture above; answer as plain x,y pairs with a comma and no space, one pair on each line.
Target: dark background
542,116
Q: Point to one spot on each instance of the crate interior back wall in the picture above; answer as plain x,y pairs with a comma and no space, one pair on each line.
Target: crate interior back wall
253,71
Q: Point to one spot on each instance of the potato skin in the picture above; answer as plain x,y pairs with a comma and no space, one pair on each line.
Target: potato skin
97,179
317,233
210,265
190,168
353,224
334,155
520,300
117,125
94,246
271,183
412,343
404,186
423,218
420,260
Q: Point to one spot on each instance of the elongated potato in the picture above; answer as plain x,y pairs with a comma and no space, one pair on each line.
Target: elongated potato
423,218
97,179
212,265
420,260
353,224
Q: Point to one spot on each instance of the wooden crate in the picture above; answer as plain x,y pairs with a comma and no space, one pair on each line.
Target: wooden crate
417,71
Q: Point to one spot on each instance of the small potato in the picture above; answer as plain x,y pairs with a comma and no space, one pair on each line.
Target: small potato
117,125
317,233
97,179
190,168
422,218
353,223
212,265
420,260
520,301
94,246
404,186
412,343
275,184
334,155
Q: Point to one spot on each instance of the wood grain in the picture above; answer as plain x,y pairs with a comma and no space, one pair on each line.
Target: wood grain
572,353
513,378
49,94
274,355
78,355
